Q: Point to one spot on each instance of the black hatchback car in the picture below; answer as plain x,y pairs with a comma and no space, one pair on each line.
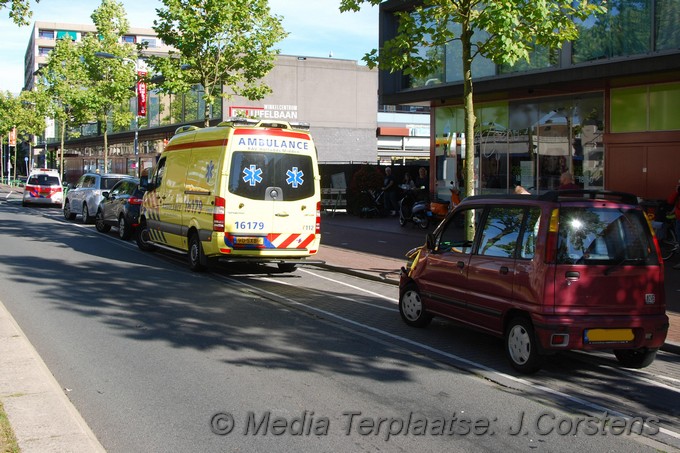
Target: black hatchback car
120,208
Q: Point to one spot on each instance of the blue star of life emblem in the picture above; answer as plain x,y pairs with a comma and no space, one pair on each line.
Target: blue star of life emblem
209,171
295,177
252,175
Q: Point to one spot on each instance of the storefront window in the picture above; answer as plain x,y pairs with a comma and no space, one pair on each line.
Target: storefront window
528,144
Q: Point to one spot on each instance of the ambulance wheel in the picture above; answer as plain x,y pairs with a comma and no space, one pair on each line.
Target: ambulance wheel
287,267
197,260
142,238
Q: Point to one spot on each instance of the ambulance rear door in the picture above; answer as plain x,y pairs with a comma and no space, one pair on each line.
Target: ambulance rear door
273,189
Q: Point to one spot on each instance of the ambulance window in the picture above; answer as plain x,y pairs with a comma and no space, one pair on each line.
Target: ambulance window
253,172
160,171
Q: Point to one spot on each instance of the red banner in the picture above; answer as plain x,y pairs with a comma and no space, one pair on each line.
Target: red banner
13,137
141,94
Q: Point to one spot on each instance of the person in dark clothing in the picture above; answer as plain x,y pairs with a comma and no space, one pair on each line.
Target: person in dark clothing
390,189
423,181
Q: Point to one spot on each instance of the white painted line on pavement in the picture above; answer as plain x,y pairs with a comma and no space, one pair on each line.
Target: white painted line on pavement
391,299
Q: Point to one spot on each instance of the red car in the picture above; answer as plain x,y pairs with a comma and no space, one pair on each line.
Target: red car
563,270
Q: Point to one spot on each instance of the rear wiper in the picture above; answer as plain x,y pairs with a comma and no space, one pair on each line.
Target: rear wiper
613,267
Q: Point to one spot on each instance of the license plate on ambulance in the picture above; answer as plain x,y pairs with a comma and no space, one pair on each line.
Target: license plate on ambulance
608,336
248,241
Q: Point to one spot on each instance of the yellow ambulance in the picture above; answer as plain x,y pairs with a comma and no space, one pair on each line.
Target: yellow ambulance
244,190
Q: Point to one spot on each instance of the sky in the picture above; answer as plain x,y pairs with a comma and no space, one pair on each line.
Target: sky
316,29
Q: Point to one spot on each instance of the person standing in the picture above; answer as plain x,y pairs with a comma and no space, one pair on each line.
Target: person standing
423,181
390,189
407,183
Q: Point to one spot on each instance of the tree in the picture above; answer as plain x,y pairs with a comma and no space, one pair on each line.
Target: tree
226,43
29,119
9,108
504,31
20,11
62,78
109,81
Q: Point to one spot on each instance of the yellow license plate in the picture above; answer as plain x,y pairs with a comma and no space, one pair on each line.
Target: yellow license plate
249,241
609,335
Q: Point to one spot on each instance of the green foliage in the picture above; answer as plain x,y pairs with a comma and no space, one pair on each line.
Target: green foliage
9,108
226,43
20,11
109,81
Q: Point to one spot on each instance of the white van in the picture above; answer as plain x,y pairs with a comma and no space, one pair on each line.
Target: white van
244,190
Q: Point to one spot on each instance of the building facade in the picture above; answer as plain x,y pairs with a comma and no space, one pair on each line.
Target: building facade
603,107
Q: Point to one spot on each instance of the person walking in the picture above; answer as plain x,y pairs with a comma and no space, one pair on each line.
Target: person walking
390,189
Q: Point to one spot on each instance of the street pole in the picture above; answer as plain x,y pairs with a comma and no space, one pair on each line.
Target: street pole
136,142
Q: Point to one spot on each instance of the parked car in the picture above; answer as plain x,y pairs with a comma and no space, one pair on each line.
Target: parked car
43,187
84,197
577,270
120,208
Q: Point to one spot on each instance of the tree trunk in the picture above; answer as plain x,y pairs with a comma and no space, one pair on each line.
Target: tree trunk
61,153
469,108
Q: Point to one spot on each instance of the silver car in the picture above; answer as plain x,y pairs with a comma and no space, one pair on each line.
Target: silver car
84,197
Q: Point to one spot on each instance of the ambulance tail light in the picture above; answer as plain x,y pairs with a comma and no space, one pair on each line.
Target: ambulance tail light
318,218
218,214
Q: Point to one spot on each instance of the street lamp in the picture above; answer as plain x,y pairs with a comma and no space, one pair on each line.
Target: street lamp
136,64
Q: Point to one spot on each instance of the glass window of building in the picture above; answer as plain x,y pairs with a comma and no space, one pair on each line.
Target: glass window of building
46,34
130,39
523,143
150,42
626,29
666,30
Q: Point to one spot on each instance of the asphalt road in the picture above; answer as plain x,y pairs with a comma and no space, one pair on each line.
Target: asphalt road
157,358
